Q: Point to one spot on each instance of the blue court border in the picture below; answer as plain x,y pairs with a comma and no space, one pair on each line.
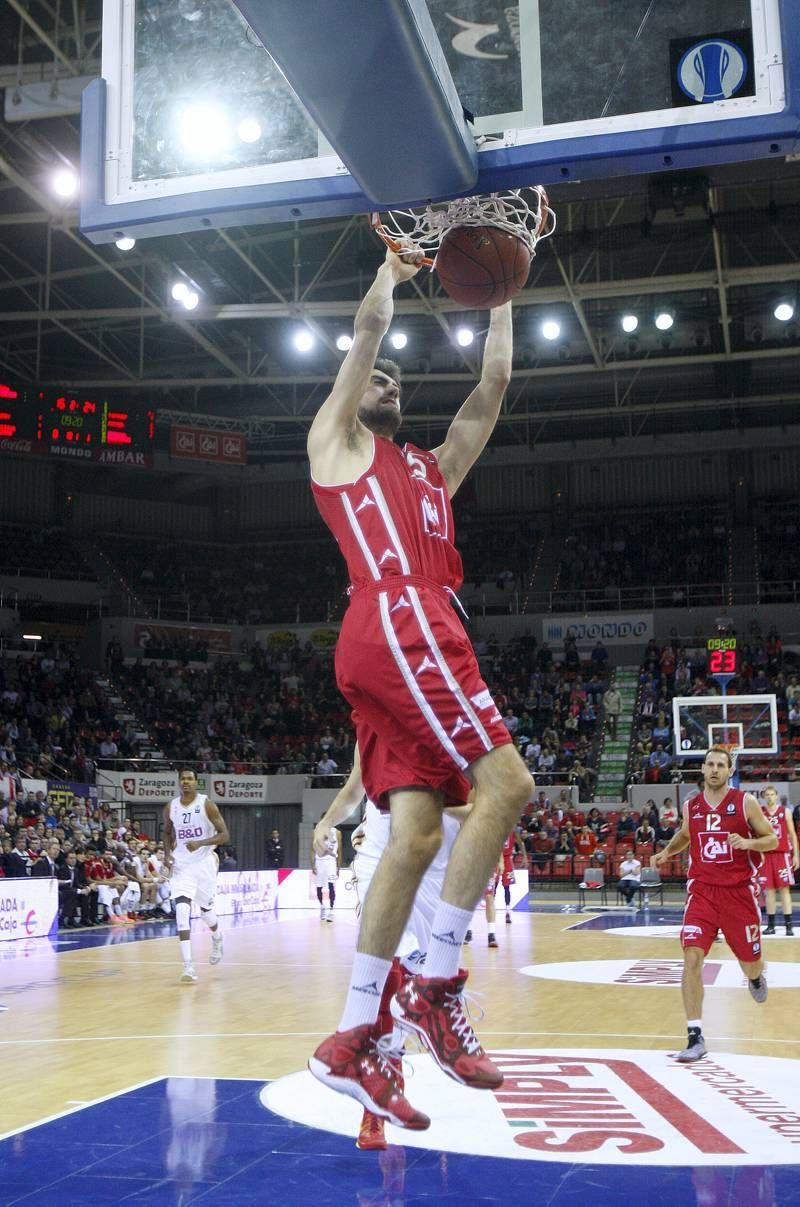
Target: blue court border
129,1149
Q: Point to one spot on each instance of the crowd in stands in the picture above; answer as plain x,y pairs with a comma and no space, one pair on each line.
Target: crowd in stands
54,717
107,871
42,552
778,554
561,841
249,584
657,549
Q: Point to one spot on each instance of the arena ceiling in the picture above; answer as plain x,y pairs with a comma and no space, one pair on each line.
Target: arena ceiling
719,248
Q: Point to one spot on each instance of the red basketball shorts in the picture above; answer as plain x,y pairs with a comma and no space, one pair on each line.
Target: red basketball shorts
732,909
776,870
421,710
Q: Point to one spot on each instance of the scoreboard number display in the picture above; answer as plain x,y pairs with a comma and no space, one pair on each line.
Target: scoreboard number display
722,656
63,424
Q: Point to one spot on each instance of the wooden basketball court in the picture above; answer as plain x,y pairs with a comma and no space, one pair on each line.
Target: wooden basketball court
86,1022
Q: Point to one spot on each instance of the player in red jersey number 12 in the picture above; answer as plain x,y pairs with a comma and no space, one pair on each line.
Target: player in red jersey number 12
726,832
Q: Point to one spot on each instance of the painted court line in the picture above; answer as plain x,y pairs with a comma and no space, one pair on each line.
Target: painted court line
563,1035
126,1089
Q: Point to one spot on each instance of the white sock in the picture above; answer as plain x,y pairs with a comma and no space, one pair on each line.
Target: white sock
210,918
186,950
216,936
364,994
450,924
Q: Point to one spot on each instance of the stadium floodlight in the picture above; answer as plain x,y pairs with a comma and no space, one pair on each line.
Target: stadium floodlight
551,329
179,291
203,130
398,339
65,183
303,340
664,320
249,130
126,243
191,299
344,342
464,337
784,311
630,323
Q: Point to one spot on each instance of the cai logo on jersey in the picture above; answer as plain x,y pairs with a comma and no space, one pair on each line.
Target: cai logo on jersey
714,846
712,70
611,1107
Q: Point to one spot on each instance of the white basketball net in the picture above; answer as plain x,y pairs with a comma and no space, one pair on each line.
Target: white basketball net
525,213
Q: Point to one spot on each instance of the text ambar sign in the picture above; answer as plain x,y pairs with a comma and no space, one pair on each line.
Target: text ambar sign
206,444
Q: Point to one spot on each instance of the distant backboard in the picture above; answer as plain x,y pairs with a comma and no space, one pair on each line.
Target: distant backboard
192,125
747,723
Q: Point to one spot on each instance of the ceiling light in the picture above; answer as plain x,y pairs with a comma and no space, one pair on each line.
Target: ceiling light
203,130
65,183
31,636
249,130
344,342
630,323
398,339
464,337
303,340
126,243
551,329
664,320
179,291
191,299
784,312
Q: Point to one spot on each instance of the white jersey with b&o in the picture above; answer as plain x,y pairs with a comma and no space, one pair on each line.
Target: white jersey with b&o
194,873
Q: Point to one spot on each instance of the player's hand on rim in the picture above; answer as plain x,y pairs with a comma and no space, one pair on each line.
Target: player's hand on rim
406,262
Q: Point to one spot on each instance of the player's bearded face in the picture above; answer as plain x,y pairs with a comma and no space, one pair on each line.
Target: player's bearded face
380,408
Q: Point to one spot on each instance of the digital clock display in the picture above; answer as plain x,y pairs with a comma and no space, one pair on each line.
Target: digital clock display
723,657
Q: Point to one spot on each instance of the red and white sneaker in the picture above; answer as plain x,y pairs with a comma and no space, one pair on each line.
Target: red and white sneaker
433,1008
370,1134
353,1063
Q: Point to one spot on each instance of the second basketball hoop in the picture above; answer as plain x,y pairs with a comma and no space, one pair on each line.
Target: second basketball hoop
483,246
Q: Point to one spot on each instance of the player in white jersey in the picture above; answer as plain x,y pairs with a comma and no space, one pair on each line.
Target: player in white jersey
325,860
193,828
369,840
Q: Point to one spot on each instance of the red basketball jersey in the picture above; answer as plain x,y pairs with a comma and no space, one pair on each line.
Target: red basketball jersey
712,860
395,519
778,822
508,851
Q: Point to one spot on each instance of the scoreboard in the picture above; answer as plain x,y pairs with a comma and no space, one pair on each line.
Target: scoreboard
75,425
722,656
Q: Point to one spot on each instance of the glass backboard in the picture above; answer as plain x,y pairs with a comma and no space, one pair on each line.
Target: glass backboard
748,723
193,125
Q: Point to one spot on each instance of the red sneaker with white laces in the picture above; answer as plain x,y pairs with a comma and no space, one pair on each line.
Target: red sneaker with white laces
353,1063
370,1134
433,1008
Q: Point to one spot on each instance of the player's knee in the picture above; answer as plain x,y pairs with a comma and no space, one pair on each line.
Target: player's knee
417,848
519,786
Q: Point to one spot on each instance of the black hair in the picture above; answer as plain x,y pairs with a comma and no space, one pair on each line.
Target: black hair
390,367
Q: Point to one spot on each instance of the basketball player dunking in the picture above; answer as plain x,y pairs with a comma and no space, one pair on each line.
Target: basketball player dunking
193,828
725,831
426,724
780,865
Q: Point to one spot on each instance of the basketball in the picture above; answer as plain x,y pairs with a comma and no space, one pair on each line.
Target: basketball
482,266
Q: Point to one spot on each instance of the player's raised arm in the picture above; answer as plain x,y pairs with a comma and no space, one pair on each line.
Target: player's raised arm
473,425
335,426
